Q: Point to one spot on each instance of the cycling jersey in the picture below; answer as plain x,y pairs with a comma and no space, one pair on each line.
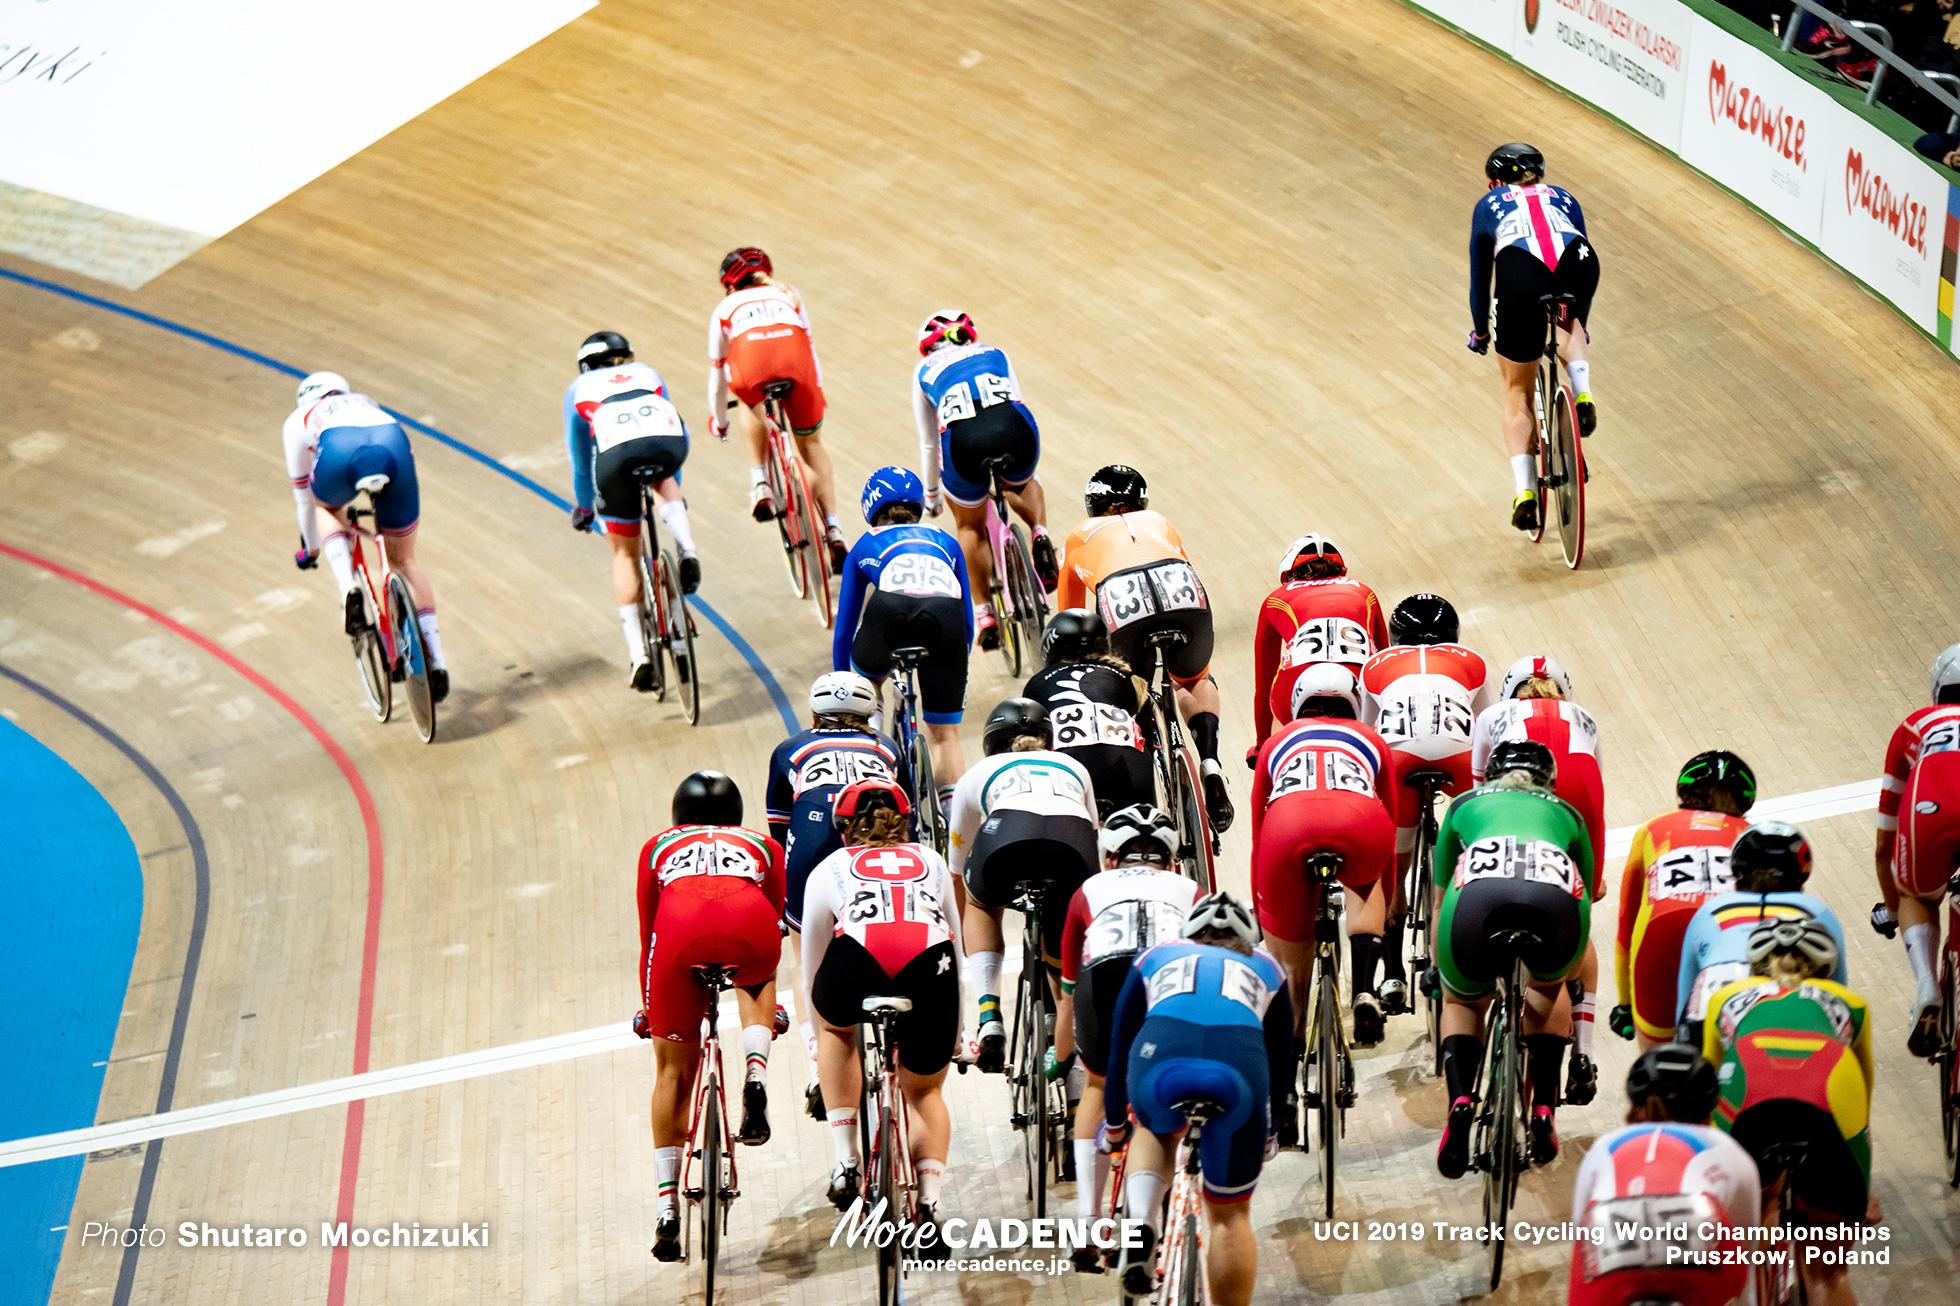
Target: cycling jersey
1643,1189
759,335
1092,714
1540,219
1423,699
922,598
1042,783
1020,820
1113,917
1301,624
1132,568
957,388
1317,787
331,444
1509,859
1715,947
806,773
1919,801
1677,862
1572,735
1103,546
708,895
636,406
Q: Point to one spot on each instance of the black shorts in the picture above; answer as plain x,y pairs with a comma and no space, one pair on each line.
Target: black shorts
1017,848
1158,589
966,445
615,480
1121,776
935,624
1096,988
1828,1178
1471,963
848,975
1521,277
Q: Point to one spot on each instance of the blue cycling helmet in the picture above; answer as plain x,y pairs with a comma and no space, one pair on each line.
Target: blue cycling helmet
887,486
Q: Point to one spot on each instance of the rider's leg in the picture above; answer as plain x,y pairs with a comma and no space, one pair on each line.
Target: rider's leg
980,928
626,593
1232,1259
1580,1084
1032,503
1574,351
674,1065
841,1078
755,437
1547,1025
970,525
948,758
1199,704
1919,928
673,514
1367,916
757,1008
337,547
1147,1173
401,556
817,458
932,1129
1520,421
1089,1159
1296,959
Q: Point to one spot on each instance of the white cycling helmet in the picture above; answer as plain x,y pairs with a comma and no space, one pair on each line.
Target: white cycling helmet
1223,913
1946,671
1326,680
320,385
842,693
1309,548
1534,668
1138,822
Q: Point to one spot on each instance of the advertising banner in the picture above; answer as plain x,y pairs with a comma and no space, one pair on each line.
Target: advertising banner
1491,21
1628,57
1884,216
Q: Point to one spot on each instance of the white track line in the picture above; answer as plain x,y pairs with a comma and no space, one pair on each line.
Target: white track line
1815,805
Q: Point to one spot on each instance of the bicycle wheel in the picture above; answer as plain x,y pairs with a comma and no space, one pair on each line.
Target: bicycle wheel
1190,1269
1541,451
1945,1064
1501,1166
931,820
1019,1056
1570,462
710,1143
1327,1040
372,659
789,517
677,640
1423,925
649,608
1024,589
1041,1126
884,1160
414,657
1010,630
1194,819
817,552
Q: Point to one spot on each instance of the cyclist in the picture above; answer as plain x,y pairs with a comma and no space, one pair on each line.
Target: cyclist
1137,900
334,438
1665,1166
619,422
1131,565
1535,703
905,585
1793,1052
1208,1017
967,402
710,894
806,773
1093,700
1318,614
881,920
1677,862
1318,787
1422,693
1918,854
1770,862
1528,239
1025,815
760,332
1510,855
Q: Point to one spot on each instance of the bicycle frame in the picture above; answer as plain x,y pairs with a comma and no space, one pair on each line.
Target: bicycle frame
1183,794
708,1082
1426,782
889,1174
1498,1145
1561,462
1946,1062
1035,1111
1329,1057
1182,1250
396,634
1021,616
798,518
915,748
668,637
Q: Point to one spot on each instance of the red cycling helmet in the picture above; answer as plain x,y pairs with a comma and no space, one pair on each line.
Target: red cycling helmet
868,796
947,328
739,263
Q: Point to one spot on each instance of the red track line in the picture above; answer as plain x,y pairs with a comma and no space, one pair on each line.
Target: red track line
350,1156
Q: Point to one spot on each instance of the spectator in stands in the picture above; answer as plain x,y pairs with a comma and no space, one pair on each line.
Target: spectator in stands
1940,147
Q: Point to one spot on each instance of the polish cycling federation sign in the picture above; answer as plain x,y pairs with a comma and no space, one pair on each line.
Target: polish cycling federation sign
1628,57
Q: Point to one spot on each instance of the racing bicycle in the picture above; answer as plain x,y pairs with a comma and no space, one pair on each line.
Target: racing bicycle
1427,782
928,817
389,652
1177,773
1329,1065
1947,1060
1499,1138
1181,1253
666,623
1038,1105
708,1179
890,1185
1562,473
806,551
1019,603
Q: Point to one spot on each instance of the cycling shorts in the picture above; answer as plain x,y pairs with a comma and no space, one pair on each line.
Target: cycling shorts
934,623
996,431
811,838
1711,1286
1407,803
705,920
778,353
1017,848
1354,825
1923,857
1172,1060
1137,603
345,454
1520,277
1471,963
1096,989
848,974
616,485
1654,966
1834,1173
1122,776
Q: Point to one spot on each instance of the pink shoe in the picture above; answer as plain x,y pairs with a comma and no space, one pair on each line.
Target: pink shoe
1453,1153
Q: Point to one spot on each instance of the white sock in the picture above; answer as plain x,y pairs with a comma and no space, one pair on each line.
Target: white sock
1524,472
1582,1024
636,638
1919,951
1581,374
1142,1191
758,476
426,619
982,972
755,1051
844,1134
673,515
932,1174
1088,1196
667,1177
339,556
830,520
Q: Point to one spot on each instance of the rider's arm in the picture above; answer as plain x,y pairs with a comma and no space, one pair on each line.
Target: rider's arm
1578,217
927,419
851,595
299,468
1841,973
1579,849
958,559
1123,1028
780,797
963,818
1483,250
717,373
1377,625
1265,666
578,447
1027,414
1633,892
1070,592
1075,928
773,877
949,899
819,914
649,900
1891,788
1861,1047
1262,792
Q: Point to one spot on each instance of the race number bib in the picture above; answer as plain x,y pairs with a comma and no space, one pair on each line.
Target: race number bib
1942,737
1242,984
758,314
921,575
1636,1233
1425,714
1326,639
1079,725
1690,872
839,767
712,857
1128,597
1506,858
1709,982
1171,979
618,420
1127,928
963,399
1014,786
1330,768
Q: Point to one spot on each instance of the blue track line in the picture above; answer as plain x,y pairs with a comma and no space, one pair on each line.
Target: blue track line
715,619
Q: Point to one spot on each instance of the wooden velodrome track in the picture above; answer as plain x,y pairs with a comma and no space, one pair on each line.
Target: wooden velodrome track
1223,242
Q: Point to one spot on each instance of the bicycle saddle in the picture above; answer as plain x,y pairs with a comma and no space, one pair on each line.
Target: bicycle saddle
715,976
1324,867
1558,299
879,1006
1198,1108
777,389
1428,775
908,657
373,484
1168,636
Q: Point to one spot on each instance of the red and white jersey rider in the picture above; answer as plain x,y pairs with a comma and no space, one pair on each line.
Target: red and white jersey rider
709,895
1318,614
896,902
1535,704
1919,802
757,335
1641,1180
1422,695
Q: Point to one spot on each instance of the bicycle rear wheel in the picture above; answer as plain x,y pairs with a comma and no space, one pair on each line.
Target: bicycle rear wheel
1327,1039
1570,462
710,1142
1024,589
789,516
1194,819
885,1160
1541,451
1506,1137
650,633
1949,1071
930,820
372,659
817,551
677,640
1422,924
1009,630
414,657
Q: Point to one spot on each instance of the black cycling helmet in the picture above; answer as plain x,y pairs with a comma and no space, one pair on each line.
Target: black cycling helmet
1011,719
1680,1077
1514,162
1771,857
1524,755
707,798
602,349
1716,769
1113,485
1072,635
1423,619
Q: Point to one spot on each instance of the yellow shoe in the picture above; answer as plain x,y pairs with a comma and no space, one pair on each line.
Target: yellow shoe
1524,511
1588,416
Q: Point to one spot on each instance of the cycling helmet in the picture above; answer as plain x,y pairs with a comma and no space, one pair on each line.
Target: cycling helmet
888,486
1113,485
1526,755
739,263
1221,913
320,385
947,328
866,796
1326,680
1423,619
1946,675
602,349
1717,769
1805,937
1770,857
1011,719
1680,1077
1534,668
707,798
1319,556
842,693
1514,162
1072,635
1138,834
